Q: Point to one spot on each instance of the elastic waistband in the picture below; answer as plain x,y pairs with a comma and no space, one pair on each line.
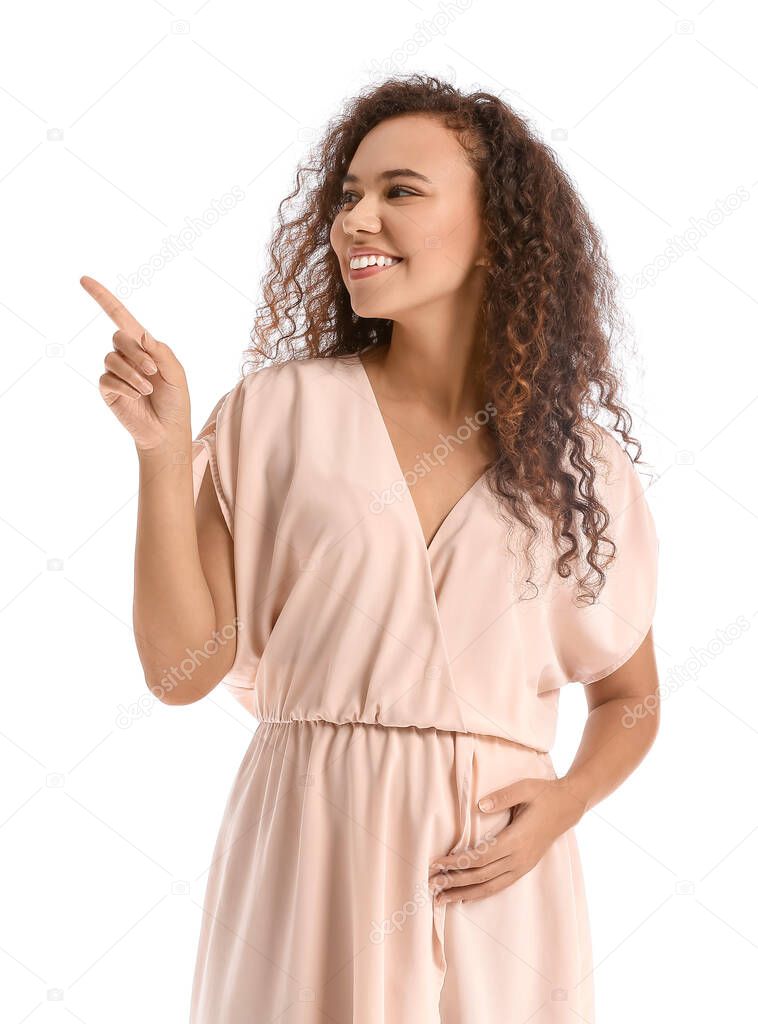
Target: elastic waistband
410,725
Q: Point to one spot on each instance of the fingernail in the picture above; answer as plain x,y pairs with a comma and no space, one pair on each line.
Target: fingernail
486,804
149,366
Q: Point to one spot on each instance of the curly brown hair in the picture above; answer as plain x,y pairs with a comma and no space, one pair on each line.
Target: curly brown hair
548,318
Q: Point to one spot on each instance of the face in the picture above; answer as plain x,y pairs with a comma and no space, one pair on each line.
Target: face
430,219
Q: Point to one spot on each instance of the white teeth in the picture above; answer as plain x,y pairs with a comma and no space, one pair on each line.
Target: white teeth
359,262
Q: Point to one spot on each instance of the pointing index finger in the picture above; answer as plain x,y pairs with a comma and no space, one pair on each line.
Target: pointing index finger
115,309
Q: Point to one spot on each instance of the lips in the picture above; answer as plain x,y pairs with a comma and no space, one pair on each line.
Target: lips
372,271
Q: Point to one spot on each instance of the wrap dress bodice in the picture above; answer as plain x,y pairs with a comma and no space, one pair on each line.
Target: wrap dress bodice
343,613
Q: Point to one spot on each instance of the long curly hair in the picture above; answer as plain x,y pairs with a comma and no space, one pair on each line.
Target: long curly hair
549,311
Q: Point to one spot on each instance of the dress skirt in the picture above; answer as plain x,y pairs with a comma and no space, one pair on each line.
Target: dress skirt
318,908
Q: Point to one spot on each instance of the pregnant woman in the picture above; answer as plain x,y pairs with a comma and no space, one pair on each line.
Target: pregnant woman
394,541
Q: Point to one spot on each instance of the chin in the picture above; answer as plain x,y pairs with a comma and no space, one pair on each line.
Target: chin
372,310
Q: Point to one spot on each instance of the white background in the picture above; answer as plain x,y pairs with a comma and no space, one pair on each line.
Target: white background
118,122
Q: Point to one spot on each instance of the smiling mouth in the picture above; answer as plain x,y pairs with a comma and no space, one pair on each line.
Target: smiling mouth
358,275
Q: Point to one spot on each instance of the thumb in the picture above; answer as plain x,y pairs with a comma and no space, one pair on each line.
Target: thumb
169,367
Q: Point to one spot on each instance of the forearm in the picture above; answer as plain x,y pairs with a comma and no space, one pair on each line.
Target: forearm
613,744
173,609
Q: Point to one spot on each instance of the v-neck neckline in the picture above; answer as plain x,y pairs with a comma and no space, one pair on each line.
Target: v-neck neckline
392,453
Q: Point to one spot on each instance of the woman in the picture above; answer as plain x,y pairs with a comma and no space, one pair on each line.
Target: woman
413,533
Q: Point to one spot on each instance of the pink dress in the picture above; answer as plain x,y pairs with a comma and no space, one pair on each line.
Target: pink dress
394,686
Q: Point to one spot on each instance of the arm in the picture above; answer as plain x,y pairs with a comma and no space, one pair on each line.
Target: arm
184,580
184,585
621,727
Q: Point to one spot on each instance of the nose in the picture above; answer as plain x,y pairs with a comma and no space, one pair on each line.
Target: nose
361,218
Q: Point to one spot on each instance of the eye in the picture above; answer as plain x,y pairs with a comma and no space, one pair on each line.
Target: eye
344,198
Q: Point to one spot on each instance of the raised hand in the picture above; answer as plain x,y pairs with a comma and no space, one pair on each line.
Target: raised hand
144,384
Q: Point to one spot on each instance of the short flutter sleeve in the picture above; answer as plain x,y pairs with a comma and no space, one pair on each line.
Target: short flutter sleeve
216,447
592,641
220,447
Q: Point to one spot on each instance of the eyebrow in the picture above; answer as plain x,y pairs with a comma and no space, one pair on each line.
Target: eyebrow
398,172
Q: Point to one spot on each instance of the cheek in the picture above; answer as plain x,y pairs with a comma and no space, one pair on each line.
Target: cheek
334,234
336,241
438,267
457,231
